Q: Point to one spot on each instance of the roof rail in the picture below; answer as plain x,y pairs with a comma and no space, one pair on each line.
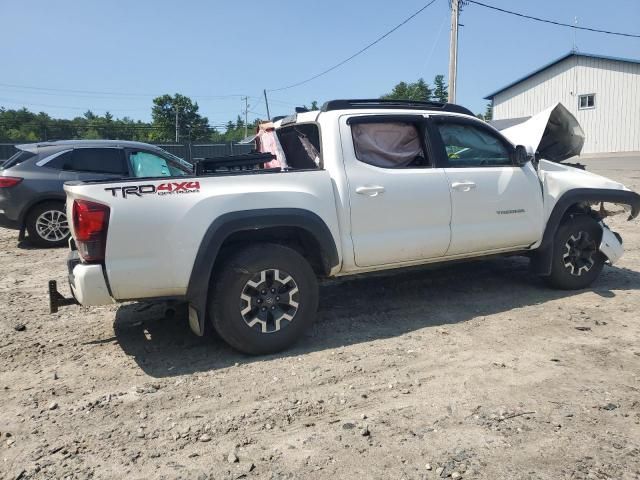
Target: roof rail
386,103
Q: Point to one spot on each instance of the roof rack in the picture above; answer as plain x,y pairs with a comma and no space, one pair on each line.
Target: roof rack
383,103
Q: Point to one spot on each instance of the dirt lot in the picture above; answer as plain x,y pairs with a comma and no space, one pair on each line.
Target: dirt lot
478,369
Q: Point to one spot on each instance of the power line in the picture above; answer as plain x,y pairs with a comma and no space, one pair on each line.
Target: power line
95,92
553,22
17,102
362,50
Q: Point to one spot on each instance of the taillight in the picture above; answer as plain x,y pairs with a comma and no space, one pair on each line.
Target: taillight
90,223
6,182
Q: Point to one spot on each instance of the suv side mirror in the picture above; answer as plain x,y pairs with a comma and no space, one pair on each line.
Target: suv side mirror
520,156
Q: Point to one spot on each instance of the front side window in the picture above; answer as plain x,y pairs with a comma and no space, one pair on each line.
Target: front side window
146,164
471,146
96,160
388,144
587,101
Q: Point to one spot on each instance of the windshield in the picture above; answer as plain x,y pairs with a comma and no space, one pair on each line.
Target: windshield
148,164
178,160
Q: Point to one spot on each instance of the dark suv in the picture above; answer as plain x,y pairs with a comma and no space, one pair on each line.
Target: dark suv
31,193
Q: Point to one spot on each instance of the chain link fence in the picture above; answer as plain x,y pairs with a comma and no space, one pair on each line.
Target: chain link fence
188,151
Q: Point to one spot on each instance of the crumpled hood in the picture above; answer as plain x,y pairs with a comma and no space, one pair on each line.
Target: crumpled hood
553,134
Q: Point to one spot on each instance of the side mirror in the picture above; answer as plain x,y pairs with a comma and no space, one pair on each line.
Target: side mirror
520,156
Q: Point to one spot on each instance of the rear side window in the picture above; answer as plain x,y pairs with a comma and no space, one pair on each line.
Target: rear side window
99,160
61,161
94,160
388,144
18,158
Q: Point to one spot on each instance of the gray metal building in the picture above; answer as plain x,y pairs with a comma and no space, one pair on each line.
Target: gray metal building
603,93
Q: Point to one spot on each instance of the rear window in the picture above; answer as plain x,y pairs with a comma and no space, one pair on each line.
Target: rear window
301,145
18,158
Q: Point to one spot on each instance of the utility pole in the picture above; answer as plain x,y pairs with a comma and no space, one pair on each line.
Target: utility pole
246,111
177,126
266,102
453,50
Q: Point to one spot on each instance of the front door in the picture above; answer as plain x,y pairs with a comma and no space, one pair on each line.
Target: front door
495,203
400,209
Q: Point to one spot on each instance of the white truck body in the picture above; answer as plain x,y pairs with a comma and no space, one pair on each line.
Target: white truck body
378,218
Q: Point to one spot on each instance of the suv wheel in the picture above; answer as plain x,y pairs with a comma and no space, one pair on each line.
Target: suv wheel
577,261
47,225
263,298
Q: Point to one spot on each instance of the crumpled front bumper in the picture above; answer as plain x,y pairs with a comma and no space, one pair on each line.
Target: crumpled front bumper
611,244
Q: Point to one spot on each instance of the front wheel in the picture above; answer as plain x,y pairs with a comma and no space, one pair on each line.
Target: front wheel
577,261
263,298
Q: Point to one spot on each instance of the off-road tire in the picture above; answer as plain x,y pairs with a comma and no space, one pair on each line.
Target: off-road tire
54,213
233,292
567,271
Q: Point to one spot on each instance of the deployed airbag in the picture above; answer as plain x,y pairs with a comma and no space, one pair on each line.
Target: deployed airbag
387,145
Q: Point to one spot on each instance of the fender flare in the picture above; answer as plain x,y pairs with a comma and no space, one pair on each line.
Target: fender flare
41,198
233,222
543,254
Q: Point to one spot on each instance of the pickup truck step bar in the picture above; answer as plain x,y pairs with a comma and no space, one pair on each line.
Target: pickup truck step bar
233,163
381,103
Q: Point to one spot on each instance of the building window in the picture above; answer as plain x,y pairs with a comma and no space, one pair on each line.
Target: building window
587,101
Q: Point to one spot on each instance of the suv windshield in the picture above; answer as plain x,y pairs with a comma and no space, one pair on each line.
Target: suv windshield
17,158
148,164
180,161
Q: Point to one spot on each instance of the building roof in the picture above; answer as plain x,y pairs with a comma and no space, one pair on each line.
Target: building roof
572,53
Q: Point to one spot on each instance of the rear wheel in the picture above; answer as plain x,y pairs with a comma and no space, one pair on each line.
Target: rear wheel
264,297
577,261
47,225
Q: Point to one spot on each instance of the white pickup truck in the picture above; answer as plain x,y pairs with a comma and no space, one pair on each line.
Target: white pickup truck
369,185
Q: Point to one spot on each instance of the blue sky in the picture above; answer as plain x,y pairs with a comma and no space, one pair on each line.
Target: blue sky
204,49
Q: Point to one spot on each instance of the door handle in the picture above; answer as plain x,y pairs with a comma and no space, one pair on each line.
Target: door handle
371,191
463,186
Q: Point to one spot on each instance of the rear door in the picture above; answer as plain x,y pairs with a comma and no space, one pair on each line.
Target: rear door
400,206
495,203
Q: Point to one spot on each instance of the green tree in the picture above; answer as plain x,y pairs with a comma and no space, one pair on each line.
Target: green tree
314,106
440,90
417,91
488,113
191,125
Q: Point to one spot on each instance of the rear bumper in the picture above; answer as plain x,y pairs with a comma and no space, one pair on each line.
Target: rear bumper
6,222
87,282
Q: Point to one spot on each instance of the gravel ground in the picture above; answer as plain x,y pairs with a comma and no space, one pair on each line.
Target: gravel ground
471,371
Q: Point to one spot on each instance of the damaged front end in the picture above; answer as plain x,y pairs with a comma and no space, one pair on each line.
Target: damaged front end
611,244
553,134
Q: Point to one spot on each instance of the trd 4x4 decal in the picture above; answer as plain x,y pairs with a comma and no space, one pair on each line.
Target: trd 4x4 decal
171,188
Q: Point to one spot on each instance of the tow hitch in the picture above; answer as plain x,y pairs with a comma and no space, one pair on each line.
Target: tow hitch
56,299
